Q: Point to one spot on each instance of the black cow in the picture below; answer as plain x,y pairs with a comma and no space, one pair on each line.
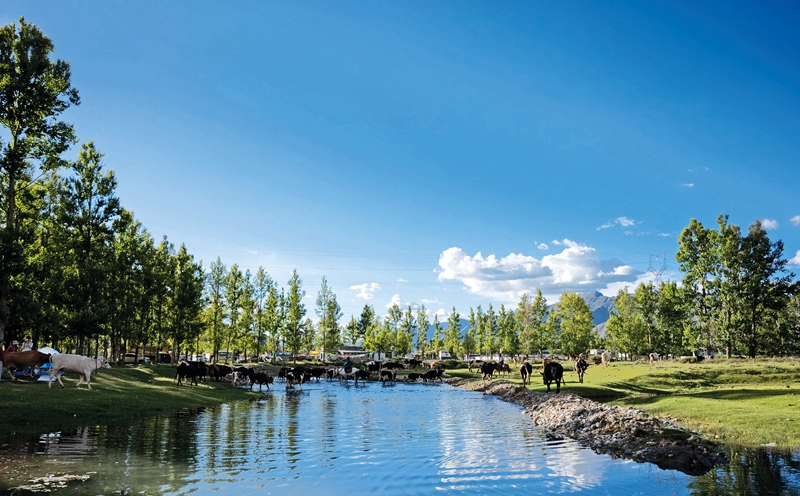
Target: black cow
432,375
580,367
487,369
388,375
412,363
413,377
553,371
373,366
392,365
259,378
360,374
187,371
293,378
525,371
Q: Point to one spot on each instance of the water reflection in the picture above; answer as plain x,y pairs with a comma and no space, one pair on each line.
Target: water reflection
330,438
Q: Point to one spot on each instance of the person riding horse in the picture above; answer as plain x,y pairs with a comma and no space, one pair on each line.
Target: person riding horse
348,365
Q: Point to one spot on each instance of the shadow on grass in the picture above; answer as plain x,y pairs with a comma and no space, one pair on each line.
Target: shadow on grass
724,395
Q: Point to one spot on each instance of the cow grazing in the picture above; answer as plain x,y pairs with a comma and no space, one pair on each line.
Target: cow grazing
553,371
363,375
525,371
20,359
605,358
654,357
75,363
392,365
187,371
388,375
373,366
432,375
580,367
487,369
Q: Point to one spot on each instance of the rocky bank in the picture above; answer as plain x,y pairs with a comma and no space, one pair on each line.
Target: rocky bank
617,431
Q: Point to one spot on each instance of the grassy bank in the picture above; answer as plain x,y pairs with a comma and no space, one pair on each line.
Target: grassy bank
744,402
117,396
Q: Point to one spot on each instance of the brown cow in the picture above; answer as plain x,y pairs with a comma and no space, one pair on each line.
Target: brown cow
21,359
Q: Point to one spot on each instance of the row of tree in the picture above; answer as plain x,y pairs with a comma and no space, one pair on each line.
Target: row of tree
77,269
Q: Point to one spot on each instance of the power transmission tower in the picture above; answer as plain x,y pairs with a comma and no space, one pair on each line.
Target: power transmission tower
657,266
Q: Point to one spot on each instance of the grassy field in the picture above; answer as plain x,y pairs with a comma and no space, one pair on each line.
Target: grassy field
742,402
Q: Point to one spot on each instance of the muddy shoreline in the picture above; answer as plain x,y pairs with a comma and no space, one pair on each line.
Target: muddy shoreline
617,431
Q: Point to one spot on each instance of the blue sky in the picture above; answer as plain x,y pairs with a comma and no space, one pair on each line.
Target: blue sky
446,153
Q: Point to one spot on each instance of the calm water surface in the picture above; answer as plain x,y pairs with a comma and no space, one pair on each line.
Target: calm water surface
338,439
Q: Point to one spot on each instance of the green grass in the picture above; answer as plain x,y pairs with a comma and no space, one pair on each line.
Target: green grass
117,396
740,402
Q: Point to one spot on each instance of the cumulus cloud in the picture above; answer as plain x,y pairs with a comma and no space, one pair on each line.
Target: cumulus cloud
430,302
769,224
442,313
578,267
542,246
367,290
795,220
401,303
796,259
619,221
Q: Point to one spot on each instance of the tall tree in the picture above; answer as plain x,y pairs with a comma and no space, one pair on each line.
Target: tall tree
215,312
572,319
187,300
452,338
294,332
436,342
263,287
625,329
329,312
698,259
422,329
34,91
88,208
765,286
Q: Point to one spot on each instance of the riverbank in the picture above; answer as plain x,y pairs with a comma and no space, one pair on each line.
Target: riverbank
618,431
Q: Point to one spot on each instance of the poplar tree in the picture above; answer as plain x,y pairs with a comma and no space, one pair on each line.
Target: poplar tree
215,312
452,339
572,320
294,331
34,91
422,329
329,312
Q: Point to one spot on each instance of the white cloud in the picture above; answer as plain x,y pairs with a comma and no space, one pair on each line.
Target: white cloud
442,313
401,303
401,280
542,246
769,224
622,221
430,302
577,267
665,235
795,220
796,259
367,290
688,185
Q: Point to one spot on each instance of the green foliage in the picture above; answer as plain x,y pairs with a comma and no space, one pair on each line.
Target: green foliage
452,340
329,312
572,322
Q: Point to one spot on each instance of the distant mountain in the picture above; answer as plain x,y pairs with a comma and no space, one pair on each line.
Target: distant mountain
600,305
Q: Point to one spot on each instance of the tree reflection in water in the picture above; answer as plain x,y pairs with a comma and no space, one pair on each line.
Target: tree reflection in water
752,471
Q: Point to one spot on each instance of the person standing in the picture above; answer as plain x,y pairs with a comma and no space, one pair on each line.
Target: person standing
12,348
27,345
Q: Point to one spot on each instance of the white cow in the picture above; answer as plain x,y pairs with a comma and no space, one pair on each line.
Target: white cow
606,357
75,363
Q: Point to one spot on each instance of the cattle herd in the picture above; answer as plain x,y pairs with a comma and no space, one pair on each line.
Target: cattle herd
295,377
